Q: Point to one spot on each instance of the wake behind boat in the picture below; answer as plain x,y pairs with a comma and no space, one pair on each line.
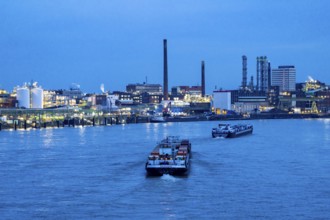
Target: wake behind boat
231,131
170,156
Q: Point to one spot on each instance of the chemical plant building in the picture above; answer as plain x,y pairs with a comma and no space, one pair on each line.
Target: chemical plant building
263,74
59,98
274,89
6,100
141,88
285,78
222,100
30,96
144,93
180,92
248,98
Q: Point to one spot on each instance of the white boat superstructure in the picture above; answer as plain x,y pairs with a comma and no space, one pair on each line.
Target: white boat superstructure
170,156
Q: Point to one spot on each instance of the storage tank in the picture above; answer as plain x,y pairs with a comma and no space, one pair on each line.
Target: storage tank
23,97
37,97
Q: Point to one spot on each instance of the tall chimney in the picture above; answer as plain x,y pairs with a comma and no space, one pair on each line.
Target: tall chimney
244,72
165,71
203,79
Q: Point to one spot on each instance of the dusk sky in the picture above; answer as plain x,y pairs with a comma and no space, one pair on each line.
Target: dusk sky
117,42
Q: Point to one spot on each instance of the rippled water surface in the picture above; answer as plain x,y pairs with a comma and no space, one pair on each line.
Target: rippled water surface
281,171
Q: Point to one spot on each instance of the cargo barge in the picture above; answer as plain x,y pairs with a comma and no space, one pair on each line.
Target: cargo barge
170,156
231,131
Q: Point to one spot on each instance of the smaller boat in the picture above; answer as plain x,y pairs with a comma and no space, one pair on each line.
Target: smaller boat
231,131
170,156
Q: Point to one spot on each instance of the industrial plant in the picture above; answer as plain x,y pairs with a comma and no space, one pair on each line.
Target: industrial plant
275,93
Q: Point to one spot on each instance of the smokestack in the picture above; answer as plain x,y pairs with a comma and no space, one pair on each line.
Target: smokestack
244,72
203,79
165,71
269,75
258,73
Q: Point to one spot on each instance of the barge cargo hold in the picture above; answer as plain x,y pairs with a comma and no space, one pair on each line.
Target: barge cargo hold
231,131
170,156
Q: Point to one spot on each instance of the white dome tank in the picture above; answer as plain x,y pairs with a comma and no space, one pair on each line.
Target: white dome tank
37,97
23,97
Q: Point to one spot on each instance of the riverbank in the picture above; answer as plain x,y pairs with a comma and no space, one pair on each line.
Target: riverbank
19,124
268,116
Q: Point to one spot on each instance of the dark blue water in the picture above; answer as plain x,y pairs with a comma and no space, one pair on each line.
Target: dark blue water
281,171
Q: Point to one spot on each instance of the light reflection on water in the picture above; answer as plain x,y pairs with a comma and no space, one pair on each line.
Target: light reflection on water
326,131
47,137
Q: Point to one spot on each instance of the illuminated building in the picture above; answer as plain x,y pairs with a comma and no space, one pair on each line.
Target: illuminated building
6,100
124,98
263,74
285,78
313,94
141,88
60,98
222,100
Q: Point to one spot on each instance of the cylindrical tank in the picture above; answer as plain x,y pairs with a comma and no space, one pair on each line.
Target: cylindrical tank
23,97
37,97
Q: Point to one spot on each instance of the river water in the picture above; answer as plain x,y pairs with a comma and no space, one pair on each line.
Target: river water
281,171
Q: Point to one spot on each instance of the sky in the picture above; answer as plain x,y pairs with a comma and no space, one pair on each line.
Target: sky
118,42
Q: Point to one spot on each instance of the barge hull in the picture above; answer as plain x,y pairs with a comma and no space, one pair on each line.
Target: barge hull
171,171
233,135
214,135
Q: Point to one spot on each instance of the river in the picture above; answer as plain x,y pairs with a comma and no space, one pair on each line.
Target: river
281,171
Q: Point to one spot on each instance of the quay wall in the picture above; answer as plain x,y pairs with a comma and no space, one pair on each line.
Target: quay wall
18,123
